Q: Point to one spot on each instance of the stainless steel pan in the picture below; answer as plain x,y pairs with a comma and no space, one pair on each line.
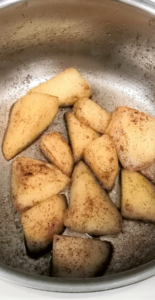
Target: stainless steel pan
112,43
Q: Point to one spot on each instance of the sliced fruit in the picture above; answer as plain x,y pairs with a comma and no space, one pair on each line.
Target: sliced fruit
29,117
56,149
138,197
92,114
75,257
90,209
69,86
42,221
101,157
80,135
133,134
34,181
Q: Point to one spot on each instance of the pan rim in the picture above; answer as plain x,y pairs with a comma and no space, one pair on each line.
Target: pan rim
73,285
76,285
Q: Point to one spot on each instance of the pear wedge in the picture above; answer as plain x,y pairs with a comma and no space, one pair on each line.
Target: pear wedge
29,117
138,197
42,221
56,149
80,135
134,138
34,181
92,114
75,257
69,86
101,157
90,209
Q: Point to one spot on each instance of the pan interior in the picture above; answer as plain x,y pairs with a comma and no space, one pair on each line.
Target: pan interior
112,45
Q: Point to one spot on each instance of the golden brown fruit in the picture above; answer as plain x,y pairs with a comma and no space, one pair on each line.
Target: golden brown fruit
101,157
42,221
75,257
92,114
56,149
80,136
90,209
133,134
29,117
69,86
138,197
34,181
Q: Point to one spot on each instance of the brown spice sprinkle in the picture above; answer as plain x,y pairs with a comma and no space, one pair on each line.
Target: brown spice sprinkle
129,207
121,148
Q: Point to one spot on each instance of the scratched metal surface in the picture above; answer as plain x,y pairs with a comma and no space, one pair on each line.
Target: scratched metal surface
113,47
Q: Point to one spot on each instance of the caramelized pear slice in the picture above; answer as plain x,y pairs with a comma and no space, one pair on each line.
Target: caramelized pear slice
75,257
56,149
69,86
90,209
34,181
29,117
133,134
80,136
42,221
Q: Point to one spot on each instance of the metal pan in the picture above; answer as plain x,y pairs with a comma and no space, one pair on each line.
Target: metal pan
112,44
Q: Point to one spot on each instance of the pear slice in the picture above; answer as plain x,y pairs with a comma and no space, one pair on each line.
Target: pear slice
133,134
34,181
29,117
69,86
90,209
80,135
149,172
42,221
92,114
101,157
56,149
75,257
138,197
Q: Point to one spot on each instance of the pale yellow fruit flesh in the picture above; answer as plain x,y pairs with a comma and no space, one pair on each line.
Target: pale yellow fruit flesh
90,209
80,135
56,149
29,117
92,114
133,134
34,181
42,221
75,257
138,197
69,86
101,156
